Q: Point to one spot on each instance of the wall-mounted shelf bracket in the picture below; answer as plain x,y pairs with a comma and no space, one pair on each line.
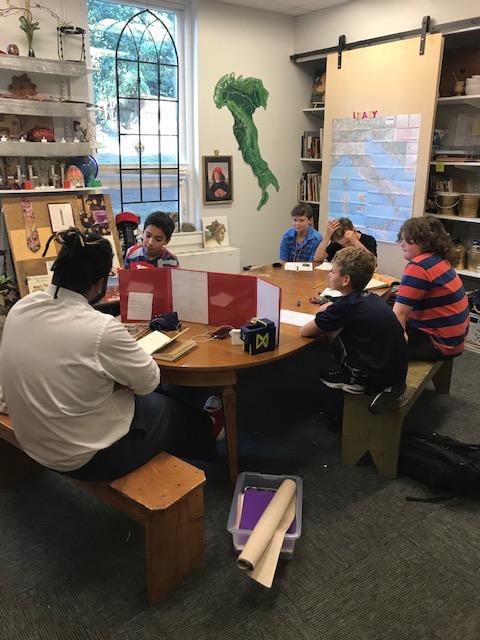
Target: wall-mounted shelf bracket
423,35
342,41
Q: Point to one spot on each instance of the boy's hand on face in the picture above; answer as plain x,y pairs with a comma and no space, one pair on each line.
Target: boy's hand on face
351,239
332,226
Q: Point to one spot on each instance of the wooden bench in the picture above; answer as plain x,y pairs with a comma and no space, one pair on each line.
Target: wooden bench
380,435
165,496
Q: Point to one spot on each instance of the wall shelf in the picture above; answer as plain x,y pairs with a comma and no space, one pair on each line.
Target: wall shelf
314,110
43,65
16,106
45,149
469,274
461,165
311,159
453,218
454,101
310,201
42,192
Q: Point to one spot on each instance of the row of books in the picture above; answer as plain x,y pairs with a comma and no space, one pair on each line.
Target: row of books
312,143
309,187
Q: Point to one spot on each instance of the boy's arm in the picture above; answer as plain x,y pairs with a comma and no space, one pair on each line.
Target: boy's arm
311,330
332,226
402,311
284,249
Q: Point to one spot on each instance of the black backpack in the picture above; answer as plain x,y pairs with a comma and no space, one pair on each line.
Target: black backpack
441,462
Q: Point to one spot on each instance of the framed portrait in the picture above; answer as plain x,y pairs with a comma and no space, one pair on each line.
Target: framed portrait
215,232
217,179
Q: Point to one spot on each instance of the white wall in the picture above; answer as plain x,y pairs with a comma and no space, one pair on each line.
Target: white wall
360,19
252,43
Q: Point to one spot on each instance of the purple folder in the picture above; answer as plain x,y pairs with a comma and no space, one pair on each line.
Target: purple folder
255,501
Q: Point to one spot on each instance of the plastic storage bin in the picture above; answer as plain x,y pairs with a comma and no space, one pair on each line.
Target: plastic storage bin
262,480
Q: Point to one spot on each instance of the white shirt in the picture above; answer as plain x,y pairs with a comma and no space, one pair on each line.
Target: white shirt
59,361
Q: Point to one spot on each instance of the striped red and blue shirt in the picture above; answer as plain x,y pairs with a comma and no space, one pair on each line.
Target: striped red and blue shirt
440,307
136,258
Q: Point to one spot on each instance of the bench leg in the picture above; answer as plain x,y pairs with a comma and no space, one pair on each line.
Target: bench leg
14,464
443,377
173,544
362,432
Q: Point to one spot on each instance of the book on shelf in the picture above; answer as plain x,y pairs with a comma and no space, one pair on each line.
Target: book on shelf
156,340
175,350
309,187
312,142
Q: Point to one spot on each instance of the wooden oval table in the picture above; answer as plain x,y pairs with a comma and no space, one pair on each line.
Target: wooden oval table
216,363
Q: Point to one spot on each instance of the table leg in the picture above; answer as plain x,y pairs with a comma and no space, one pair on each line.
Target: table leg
230,411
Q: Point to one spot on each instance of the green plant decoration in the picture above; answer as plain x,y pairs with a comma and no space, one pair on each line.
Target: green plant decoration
242,96
27,24
29,27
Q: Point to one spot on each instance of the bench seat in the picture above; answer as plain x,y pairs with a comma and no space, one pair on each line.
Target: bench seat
165,496
380,435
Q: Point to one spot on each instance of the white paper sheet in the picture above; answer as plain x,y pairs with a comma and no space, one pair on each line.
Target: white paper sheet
298,266
297,318
190,295
375,284
139,306
331,292
325,266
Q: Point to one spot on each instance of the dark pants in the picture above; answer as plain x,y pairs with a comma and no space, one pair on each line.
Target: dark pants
160,423
420,346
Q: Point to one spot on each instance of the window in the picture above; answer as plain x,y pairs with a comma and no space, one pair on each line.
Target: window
135,84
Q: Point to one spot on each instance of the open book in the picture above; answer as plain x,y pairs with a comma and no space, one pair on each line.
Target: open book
156,340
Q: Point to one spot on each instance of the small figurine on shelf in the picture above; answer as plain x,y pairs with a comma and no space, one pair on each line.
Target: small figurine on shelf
4,138
22,139
12,50
80,133
22,86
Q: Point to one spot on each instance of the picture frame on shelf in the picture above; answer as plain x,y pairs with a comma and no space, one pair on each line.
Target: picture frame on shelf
215,232
61,216
217,180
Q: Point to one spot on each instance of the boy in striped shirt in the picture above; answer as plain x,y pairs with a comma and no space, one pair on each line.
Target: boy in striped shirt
431,303
153,252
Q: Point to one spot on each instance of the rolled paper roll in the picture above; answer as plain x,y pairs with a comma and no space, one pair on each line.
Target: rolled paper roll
270,521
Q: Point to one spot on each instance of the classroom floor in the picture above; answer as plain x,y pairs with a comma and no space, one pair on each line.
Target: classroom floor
369,564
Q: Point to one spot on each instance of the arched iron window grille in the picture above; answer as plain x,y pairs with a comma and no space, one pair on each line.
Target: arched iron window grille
146,72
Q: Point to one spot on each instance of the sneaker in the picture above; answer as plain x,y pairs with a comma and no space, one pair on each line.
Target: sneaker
341,379
387,399
213,406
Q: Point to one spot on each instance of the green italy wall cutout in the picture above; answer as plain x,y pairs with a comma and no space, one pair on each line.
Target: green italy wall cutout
242,96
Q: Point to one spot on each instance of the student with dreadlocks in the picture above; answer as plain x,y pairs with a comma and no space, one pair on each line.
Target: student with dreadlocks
79,389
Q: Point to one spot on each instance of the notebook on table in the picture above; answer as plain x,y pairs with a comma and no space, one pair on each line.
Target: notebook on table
157,340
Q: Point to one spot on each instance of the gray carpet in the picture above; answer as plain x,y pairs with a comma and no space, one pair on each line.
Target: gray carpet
369,565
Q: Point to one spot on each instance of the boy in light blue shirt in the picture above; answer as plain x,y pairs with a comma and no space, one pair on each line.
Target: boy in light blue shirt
301,241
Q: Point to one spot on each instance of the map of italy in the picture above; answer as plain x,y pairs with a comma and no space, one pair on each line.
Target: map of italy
372,174
242,96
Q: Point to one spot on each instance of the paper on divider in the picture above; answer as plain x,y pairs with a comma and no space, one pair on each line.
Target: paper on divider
262,550
296,318
139,306
190,295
